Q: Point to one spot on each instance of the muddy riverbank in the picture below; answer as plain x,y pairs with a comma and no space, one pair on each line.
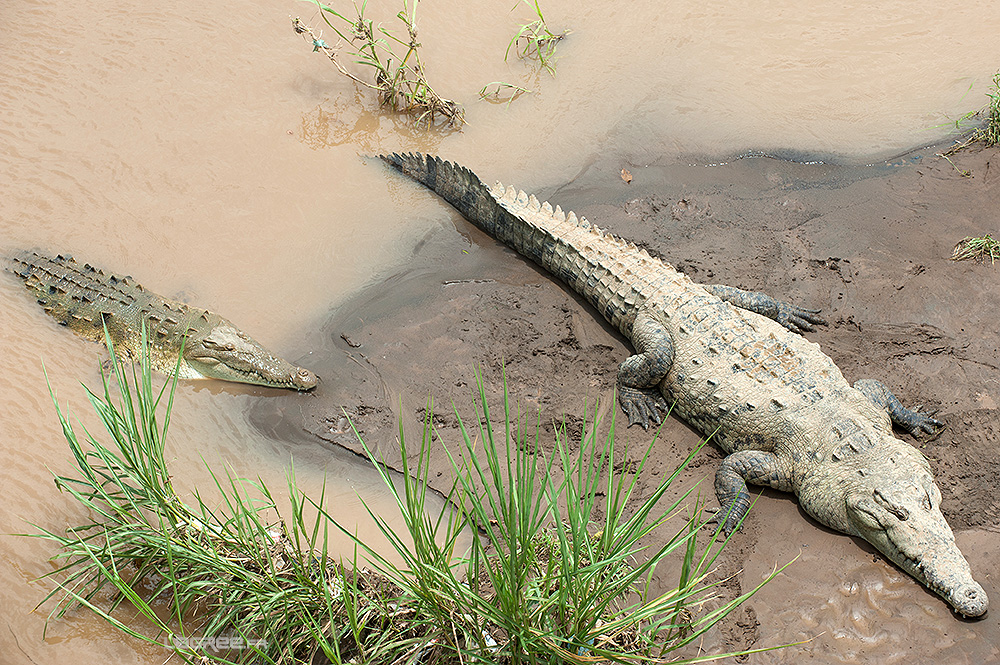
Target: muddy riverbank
217,159
869,245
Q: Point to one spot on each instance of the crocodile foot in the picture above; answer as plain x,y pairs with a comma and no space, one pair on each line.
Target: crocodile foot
798,319
912,420
723,519
642,405
919,423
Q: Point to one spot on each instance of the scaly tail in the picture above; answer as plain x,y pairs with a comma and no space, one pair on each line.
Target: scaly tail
609,272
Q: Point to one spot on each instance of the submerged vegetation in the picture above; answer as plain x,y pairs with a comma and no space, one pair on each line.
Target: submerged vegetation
554,569
535,40
399,80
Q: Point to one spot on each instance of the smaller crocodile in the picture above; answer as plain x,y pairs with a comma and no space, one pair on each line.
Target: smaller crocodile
87,300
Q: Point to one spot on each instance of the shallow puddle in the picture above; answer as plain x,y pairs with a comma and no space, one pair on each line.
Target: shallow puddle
210,154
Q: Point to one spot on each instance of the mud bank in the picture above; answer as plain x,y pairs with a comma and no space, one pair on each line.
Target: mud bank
868,245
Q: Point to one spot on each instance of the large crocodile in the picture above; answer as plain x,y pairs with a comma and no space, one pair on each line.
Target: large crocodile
87,300
734,365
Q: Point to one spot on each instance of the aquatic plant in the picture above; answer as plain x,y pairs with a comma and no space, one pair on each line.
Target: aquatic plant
990,131
494,95
977,249
399,80
987,119
534,39
556,570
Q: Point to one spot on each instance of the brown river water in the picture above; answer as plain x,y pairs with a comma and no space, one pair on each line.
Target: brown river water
206,151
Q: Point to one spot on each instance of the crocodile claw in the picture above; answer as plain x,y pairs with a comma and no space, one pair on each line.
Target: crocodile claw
924,423
642,405
798,319
722,519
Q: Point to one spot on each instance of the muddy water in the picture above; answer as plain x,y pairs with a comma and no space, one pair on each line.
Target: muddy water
207,152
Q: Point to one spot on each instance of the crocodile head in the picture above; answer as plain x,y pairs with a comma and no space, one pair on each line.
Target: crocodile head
229,354
894,504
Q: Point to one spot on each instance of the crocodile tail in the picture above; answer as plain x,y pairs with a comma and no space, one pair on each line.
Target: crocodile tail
613,275
512,217
458,186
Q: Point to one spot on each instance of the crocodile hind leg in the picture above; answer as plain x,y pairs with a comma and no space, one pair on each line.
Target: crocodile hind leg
797,319
911,420
746,466
640,375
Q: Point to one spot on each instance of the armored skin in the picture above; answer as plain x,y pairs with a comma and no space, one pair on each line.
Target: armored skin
734,364
86,300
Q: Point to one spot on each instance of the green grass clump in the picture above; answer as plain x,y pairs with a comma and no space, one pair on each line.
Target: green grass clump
977,249
990,131
399,80
987,119
535,40
557,570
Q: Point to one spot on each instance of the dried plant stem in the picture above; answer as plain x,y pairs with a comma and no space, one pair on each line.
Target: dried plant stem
977,249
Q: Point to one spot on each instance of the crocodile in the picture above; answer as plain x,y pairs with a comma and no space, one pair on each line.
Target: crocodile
87,300
734,365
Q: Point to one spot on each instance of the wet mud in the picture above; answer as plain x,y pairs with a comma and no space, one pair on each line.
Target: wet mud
869,245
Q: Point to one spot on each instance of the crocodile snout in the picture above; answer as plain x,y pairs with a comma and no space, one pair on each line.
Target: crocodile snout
305,380
970,600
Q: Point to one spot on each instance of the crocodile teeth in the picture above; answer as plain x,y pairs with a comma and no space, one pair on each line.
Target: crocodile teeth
510,194
547,208
533,203
571,219
522,198
559,215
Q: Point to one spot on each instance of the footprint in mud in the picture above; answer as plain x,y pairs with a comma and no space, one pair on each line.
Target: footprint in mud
690,209
653,207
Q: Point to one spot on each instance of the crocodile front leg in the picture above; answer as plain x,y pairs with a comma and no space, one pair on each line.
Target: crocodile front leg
746,466
640,375
911,420
797,319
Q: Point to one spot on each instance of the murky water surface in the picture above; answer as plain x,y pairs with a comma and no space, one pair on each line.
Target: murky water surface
206,151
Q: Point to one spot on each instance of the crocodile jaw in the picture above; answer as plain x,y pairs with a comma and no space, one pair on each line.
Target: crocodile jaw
228,354
899,513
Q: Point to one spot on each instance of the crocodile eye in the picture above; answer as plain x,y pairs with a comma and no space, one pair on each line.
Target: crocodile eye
901,513
932,495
